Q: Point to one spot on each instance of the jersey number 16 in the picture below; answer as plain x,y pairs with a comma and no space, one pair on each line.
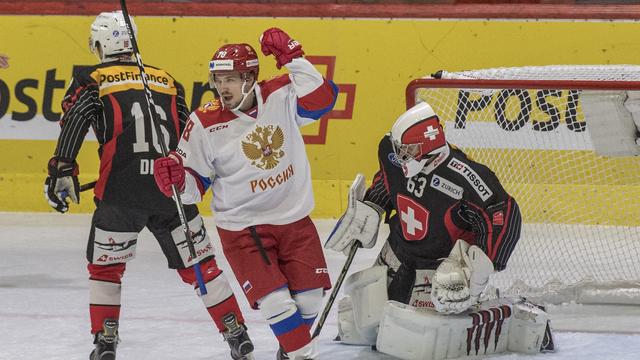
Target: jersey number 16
141,144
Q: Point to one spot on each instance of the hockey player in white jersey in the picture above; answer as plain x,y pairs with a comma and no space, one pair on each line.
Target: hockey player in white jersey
246,144
452,225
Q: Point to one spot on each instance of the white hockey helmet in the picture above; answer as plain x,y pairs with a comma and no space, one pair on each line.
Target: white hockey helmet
417,138
109,34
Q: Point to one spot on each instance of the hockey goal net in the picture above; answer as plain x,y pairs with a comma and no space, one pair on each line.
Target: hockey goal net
563,141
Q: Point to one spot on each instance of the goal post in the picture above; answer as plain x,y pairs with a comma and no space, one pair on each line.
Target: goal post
563,140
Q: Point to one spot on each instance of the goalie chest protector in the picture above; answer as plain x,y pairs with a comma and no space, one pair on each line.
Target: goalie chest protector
434,209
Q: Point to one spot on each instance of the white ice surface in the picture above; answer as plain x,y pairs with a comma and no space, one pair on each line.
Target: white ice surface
44,304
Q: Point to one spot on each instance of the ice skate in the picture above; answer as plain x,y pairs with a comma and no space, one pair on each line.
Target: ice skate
106,341
281,355
238,339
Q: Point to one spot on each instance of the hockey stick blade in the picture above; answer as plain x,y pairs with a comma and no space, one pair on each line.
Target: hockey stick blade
336,288
163,146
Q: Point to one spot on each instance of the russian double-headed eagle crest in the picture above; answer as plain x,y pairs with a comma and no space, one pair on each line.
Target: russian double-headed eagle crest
263,146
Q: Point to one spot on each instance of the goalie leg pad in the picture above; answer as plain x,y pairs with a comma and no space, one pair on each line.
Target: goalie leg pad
347,331
409,334
368,292
494,327
529,332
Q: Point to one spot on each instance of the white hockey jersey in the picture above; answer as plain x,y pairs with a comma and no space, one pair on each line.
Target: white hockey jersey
257,167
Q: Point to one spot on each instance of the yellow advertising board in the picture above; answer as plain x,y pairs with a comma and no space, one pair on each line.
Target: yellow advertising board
371,60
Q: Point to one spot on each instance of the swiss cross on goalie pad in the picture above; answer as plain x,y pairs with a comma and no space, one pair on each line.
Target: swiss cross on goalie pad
413,217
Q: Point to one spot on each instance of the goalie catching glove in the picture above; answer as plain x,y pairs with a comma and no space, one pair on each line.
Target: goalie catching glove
62,183
460,278
359,223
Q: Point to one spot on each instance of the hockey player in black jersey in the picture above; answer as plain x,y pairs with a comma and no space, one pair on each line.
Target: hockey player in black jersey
451,225
109,98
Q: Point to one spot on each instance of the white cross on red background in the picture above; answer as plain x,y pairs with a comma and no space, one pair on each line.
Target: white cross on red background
412,224
414,218
431,133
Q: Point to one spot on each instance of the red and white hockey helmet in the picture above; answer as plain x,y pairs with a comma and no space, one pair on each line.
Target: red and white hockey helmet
417,138
235,57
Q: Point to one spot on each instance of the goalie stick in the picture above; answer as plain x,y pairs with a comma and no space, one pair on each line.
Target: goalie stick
336,288
156,124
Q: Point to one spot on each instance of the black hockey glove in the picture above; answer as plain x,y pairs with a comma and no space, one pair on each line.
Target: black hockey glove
61,183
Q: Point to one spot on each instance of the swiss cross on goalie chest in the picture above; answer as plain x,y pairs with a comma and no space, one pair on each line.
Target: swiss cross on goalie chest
414,218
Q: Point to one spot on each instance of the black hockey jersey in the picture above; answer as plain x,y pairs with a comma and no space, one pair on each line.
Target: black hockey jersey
459,199
110,99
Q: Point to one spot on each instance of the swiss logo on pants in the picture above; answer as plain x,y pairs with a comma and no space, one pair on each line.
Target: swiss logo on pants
413,217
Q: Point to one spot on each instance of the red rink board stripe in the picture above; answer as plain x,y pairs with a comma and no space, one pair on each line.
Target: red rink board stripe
446,11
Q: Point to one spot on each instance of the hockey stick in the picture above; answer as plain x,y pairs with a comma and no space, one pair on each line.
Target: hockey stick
156,124
336,287
88,186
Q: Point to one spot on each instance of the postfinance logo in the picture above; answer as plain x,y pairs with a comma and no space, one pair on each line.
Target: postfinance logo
120,78
24,98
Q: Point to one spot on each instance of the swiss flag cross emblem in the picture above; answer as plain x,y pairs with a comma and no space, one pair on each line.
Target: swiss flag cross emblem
413,217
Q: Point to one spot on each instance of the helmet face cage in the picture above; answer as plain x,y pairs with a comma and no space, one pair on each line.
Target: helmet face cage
417,138
406,152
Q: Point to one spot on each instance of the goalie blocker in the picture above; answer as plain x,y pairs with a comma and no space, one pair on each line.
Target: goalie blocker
360,222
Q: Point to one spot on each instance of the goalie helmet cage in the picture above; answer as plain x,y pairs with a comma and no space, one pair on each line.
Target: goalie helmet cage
562,140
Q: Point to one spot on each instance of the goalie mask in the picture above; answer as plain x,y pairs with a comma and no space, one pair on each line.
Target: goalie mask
241,58
417,138
109,34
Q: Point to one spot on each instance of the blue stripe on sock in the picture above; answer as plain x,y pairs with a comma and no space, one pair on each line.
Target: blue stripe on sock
291,323
309,321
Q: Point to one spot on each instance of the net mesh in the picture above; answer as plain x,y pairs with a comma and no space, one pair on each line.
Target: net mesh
581,211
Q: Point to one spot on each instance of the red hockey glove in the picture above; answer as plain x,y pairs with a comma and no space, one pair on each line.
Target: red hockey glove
62,183
281,45
169,171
